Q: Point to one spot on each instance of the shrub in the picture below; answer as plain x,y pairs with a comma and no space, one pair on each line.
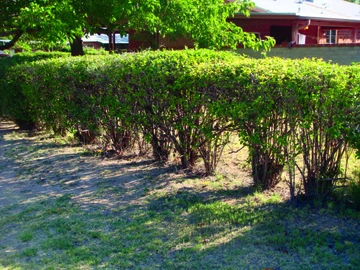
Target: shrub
323,105
188,102
13,103
92,51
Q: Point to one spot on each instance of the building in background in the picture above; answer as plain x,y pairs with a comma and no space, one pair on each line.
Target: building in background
291,22
304,22
99,41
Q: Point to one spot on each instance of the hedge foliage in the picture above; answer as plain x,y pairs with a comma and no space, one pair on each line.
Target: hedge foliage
12,102
188,102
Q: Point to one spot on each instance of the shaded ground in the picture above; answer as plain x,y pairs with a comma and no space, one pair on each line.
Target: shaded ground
63,207
38,166
43,165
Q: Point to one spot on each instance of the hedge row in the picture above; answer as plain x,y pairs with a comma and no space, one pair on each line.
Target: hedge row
12,102
188,102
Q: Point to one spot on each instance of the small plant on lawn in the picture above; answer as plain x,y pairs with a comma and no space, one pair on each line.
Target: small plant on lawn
30,252
26,236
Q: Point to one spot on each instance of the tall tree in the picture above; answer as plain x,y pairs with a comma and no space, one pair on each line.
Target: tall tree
203,22
49,20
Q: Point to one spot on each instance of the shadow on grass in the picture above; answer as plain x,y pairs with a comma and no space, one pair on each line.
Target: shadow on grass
184,231
275,236
85,212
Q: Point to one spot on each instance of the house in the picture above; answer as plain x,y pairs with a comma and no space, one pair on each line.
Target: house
4,41
304,22
327,29
301,22
6,54
98,41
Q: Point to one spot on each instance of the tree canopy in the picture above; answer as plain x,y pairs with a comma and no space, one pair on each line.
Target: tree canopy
42,19
205,23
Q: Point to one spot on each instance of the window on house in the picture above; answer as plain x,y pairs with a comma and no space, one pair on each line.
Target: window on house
331,36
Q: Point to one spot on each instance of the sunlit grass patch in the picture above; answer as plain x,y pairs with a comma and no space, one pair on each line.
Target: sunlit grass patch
218,212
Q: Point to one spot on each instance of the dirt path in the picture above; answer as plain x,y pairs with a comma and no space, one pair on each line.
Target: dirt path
15,187
32,168
10,186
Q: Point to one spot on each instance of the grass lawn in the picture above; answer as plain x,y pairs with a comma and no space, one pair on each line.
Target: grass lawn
63,208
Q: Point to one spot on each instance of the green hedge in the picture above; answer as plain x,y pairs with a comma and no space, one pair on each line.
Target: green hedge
188,102
12,102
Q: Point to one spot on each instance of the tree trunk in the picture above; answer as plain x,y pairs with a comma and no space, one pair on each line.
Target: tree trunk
110,42
76,47
266,170
12,42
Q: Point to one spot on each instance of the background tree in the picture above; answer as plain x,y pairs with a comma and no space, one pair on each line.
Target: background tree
205,23
46,20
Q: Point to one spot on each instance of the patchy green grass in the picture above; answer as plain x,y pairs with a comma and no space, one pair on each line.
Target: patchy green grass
132,215
177,231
